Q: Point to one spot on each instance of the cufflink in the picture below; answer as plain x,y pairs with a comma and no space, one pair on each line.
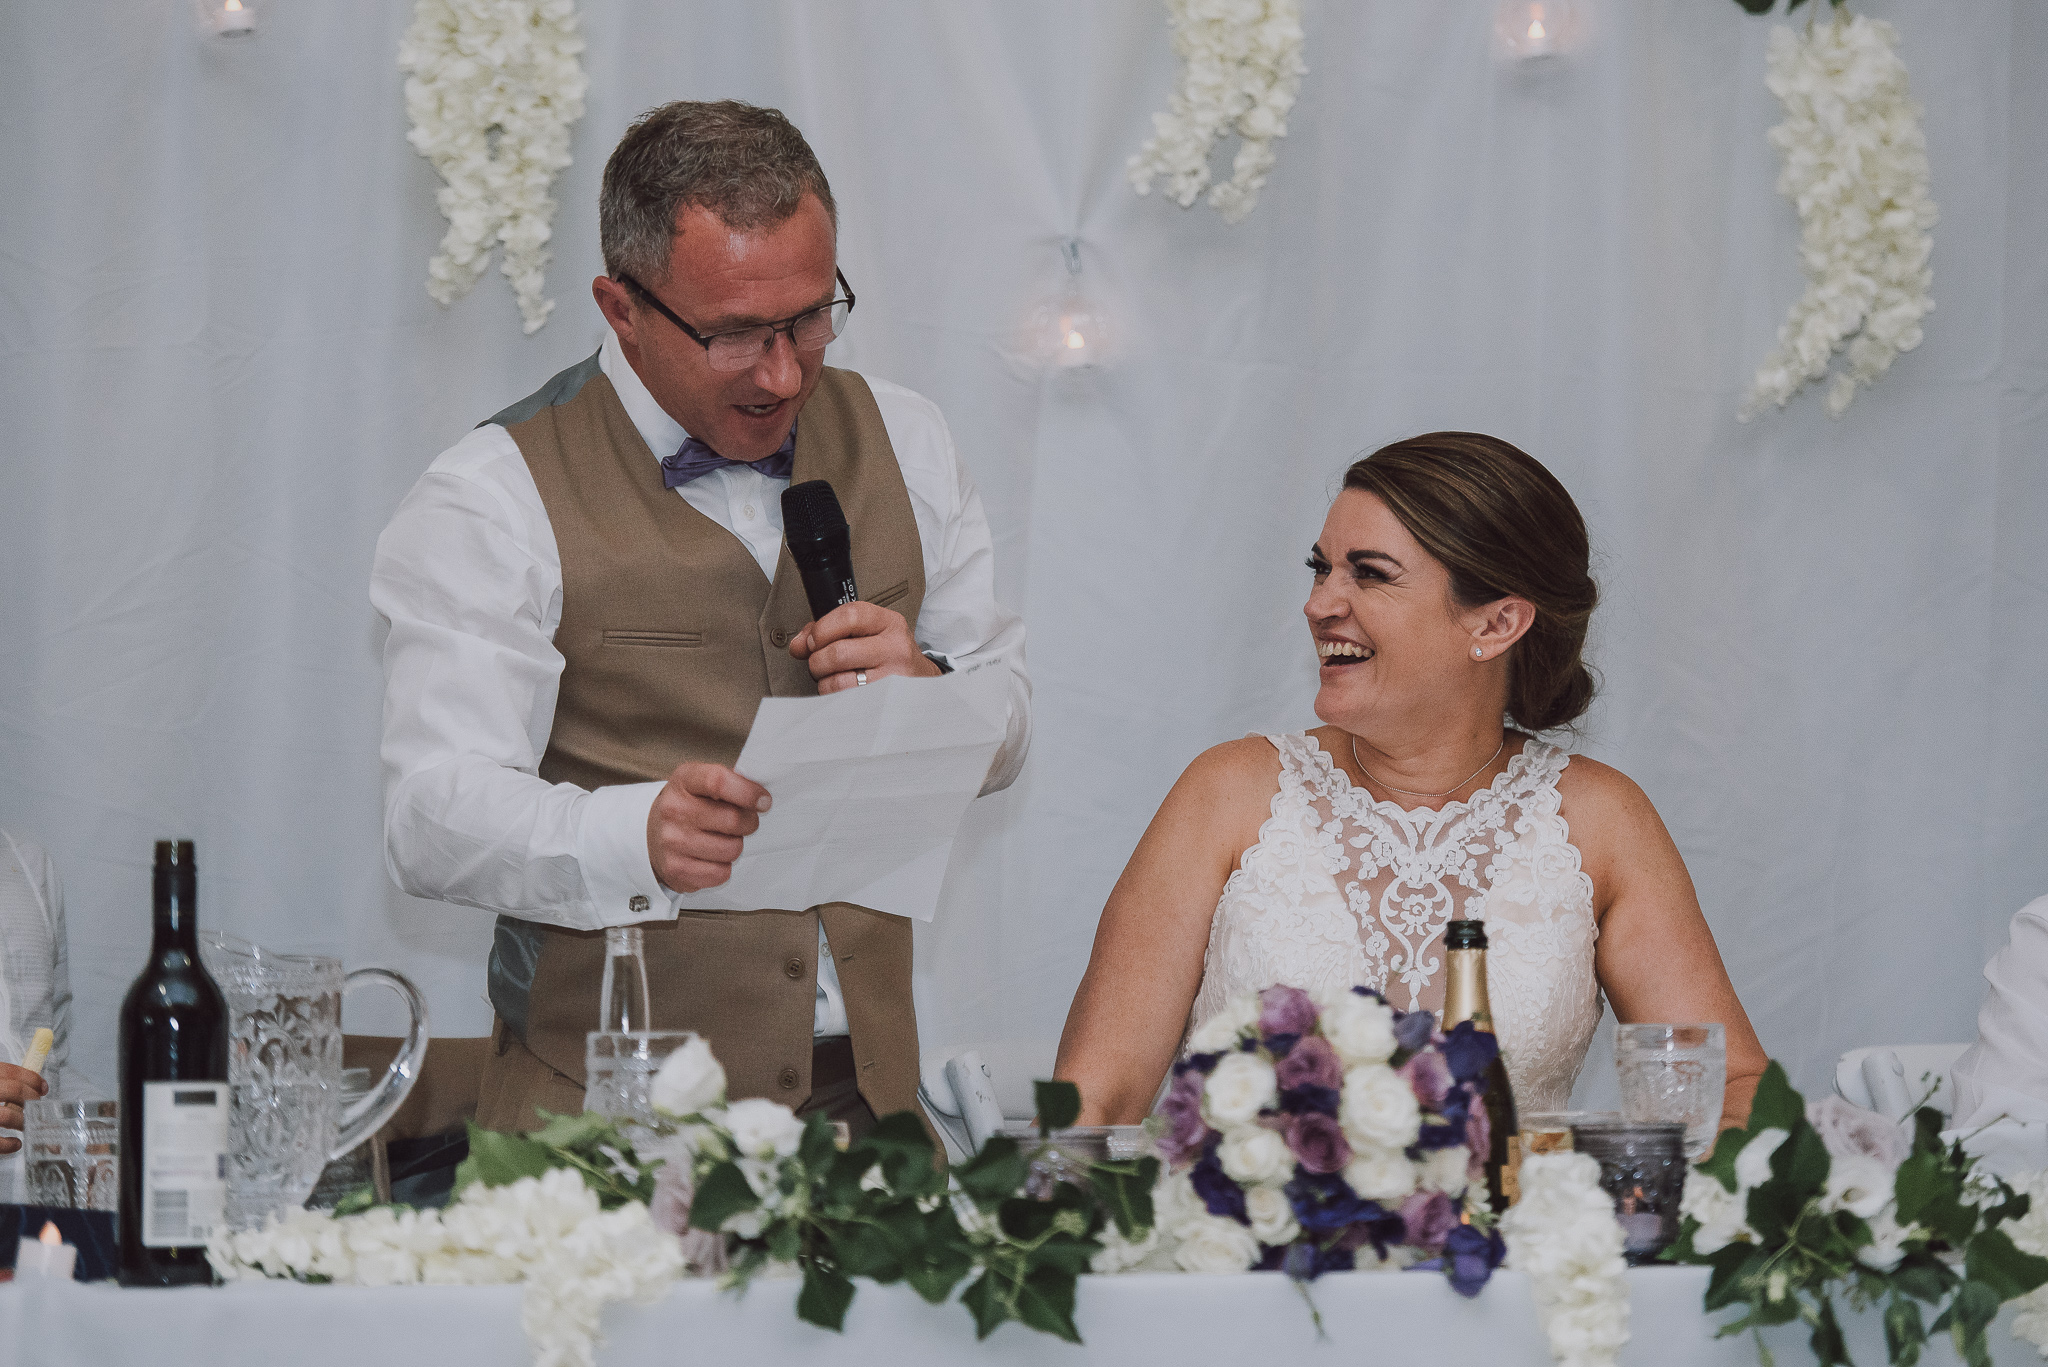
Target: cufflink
638,904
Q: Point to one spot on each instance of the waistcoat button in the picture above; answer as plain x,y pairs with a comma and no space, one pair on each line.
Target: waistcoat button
780,638
788,1079
794,968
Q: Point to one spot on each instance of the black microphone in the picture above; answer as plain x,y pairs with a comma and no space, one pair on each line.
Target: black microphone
821,544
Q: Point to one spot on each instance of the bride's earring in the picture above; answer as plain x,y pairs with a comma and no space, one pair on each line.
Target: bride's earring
1477,653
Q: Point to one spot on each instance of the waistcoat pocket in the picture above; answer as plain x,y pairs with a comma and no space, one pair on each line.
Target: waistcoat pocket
890,594
667,639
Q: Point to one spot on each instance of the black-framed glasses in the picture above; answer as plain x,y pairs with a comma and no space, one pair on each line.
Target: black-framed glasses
810,330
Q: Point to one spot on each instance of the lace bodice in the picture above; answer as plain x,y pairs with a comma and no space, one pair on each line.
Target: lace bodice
1343,890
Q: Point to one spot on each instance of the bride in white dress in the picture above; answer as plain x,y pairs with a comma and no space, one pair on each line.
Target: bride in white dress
1451,592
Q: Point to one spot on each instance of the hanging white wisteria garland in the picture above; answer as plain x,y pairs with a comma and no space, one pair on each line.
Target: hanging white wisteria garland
1855,166
1241,69
492,88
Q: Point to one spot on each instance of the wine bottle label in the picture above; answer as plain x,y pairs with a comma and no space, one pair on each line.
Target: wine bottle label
184,1161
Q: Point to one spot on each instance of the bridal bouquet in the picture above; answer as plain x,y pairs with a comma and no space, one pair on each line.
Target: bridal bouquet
1309,1136
1814,1201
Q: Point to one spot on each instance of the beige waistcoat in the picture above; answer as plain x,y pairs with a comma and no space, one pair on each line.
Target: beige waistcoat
670,638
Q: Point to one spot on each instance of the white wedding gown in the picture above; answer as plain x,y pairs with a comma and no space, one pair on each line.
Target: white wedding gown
1341,890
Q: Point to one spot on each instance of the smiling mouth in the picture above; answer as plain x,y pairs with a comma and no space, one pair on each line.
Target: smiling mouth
758,410
1338,654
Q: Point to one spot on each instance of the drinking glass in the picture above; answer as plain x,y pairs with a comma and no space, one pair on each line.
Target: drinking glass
619,1068
1674,1073
73,1153
1642,1168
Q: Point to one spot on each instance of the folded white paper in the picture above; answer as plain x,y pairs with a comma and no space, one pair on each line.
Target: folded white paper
869,785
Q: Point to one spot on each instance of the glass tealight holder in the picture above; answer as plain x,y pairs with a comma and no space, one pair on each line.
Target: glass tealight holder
1642,1169
73,1153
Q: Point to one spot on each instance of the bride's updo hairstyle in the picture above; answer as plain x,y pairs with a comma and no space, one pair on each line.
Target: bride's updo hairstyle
1504,527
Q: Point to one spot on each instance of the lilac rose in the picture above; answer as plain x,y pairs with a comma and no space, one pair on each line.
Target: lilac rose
1428,1216
1430,1077
1186,1131
1479,1139
1286,1011
1847,1129
703,1250
1318,1143
1311,1063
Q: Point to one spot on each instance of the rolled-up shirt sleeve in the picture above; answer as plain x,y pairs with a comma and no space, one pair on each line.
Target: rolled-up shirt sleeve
468,577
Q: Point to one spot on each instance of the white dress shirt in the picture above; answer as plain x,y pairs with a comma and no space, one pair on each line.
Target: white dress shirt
2004,1075
35,977
469,577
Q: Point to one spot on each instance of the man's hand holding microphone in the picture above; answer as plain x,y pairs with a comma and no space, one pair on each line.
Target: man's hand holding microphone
702,816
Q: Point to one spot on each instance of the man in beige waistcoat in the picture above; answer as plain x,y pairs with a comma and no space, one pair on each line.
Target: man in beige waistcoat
588,598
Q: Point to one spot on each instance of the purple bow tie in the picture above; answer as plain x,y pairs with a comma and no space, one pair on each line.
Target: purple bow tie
695,458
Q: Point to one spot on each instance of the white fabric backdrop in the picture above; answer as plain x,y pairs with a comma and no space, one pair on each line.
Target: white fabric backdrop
1822,641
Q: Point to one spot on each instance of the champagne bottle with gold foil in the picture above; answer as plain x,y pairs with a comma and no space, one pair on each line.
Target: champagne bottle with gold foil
1465,1000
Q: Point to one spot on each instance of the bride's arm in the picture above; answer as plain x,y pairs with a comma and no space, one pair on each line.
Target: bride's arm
1132,1005
1656,957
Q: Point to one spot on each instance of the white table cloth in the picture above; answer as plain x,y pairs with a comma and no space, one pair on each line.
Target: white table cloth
1140,1318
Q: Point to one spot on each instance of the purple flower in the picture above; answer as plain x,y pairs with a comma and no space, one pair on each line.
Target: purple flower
1470,1257
1311,1063
1325,1202
1182,1108
1382,1231
1479,1137
1428,1216
1305,1261
1219,1194
1318,1143
1412,1029
1285,1014
1430,1077
1468,1051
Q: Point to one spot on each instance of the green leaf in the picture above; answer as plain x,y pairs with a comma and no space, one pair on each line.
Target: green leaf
722,1194
820,1143
864,1250
1757,6
1735,1267
1828,1348
1046,1303
905,1150
1928,1124
1920,1180
497,1159
1801,1162
2013,1207
1971,1314
1721,1162
1923,1278
1995,1261
996,1172
359,1199
824,1299
1904,1334
1126,1189
1777,1106
984,1301
1059,1104
585,1130
940,1271
1067,1254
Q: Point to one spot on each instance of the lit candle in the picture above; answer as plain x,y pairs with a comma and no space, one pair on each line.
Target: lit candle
1537,42
232,18
46,1256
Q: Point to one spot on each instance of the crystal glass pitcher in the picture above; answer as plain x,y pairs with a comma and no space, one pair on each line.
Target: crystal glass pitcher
284,1071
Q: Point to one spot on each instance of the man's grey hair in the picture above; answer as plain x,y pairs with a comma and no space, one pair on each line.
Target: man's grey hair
747,165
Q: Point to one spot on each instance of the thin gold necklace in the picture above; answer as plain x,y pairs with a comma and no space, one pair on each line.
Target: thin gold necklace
1406,792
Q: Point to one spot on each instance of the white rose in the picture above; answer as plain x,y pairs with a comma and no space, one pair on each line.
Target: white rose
1381,1174
1253,1153
1446,1170
690,1080
1857,1183
1174,1202
1222,1030
1360,1029
1887,1243
1753,1164
1120,1254
1272,1215
1214,1244
1240,1087
1721,1213
763,1129
1379,1109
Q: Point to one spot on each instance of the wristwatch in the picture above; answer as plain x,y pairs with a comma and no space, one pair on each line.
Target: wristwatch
940,661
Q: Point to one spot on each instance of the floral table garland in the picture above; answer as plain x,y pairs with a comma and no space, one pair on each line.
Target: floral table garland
492,88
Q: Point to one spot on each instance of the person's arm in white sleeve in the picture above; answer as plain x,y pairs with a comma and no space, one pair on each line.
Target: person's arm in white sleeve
60,975
960,621
469,578
2004,1075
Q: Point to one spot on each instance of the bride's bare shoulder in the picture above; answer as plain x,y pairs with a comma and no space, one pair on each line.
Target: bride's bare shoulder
1605,806
1228,783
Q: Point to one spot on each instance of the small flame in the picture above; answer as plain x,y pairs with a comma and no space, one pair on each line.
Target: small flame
51,1236
1075,341
1536,33
233,6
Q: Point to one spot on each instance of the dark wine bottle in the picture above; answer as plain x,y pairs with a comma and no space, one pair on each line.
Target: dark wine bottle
174,1093
1465,1000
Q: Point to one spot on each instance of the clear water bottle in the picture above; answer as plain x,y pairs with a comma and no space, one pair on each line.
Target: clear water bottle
622,1003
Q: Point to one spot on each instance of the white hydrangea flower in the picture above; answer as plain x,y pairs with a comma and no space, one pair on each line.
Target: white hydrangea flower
1857,1183
1120,1254
763,1129
1562,1233
1241,70
1855,167
1753,1164
492,87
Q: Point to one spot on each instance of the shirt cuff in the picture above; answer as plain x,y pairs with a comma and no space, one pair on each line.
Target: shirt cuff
611,850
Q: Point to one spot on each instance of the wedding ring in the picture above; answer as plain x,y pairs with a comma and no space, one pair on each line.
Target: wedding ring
860,676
